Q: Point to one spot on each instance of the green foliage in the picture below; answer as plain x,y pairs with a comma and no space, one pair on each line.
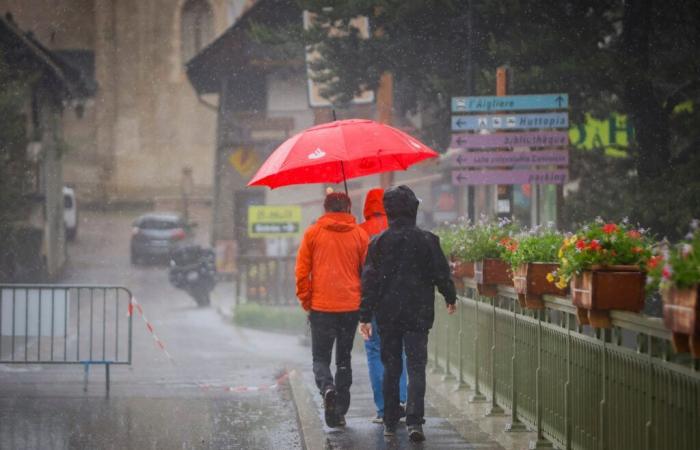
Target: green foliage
539,244
474,242
600,243
275,318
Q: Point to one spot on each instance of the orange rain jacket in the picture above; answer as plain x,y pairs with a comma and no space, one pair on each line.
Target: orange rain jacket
329,264
375,216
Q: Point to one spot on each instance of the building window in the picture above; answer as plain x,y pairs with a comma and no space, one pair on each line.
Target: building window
197,27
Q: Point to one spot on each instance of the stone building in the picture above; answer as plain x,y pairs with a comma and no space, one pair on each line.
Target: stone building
144,124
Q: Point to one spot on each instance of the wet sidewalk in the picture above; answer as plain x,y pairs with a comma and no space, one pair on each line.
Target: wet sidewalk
360,432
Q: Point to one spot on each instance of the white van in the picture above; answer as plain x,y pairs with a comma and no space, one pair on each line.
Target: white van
70,213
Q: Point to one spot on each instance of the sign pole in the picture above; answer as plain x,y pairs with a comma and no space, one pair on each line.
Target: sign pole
504,192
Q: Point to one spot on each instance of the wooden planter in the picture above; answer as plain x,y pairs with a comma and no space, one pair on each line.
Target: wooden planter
460,270
597,291
681,310
489,273
530,281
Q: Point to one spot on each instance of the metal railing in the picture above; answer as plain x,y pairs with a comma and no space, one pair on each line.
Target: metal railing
65,324
266,280
578,388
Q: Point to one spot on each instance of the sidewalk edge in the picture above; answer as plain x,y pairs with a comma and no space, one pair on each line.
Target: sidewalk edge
310,426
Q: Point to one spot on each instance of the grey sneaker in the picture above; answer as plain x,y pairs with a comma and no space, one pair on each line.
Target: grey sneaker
415,433
389,430
378,420
341,421
402,412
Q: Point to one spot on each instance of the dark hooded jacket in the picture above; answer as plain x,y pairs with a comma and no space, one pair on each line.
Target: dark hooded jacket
404,265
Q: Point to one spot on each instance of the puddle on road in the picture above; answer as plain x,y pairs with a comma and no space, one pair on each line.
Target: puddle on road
262,421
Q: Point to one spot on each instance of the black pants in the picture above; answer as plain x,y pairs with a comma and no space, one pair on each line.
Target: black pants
327,329
415,343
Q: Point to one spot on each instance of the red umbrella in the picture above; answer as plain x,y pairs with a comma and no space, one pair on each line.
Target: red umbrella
340,150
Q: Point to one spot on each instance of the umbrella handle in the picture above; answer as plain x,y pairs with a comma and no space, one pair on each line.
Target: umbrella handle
342,168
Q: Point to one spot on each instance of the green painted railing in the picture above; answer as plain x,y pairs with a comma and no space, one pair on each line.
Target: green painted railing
578,388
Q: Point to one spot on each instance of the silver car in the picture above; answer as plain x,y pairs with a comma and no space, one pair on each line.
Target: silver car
155,235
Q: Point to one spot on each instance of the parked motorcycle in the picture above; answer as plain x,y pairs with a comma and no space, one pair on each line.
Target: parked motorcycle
193,269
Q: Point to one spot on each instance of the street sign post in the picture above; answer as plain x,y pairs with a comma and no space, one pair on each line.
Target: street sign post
510,121
510,103
501,159
509,177
501,140
266,221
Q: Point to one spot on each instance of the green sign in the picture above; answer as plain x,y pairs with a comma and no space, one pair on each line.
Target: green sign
612,134
266,221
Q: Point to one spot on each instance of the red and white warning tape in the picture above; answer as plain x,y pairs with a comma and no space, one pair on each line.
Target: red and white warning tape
239,389
149,327
161,345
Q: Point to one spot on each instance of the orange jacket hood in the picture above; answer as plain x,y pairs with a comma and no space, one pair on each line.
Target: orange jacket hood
374,203
337,221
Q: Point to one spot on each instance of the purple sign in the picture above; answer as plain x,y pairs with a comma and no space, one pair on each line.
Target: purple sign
472,177
496,140
497,159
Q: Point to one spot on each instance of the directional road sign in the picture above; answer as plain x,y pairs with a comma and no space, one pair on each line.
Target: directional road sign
498,159
274,221
512,121
499,140
510,103
472,177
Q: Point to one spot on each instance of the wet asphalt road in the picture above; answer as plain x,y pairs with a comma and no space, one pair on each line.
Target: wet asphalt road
155,403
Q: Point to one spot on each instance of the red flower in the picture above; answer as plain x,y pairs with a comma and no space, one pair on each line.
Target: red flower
634,234
666,273
654,261
580,244
636,250
609,228
594,245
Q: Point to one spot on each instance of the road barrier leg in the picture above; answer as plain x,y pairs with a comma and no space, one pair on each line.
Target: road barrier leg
85,376
107,384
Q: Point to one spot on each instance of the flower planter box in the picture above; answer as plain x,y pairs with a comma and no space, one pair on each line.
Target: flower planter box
681,309
489,273
595,292
530,281
462,269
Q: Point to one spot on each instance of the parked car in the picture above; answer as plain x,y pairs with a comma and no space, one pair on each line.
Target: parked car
155,235
70,213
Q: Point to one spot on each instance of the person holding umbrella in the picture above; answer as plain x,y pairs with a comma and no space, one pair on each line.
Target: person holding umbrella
403,266
328,268
376,222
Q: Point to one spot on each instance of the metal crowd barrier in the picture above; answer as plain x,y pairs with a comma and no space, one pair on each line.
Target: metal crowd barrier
266,280
64,324
578,388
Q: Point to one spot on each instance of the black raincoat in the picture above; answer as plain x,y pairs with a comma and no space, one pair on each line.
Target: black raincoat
404,265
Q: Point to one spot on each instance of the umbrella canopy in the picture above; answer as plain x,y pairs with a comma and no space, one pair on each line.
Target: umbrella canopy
340,150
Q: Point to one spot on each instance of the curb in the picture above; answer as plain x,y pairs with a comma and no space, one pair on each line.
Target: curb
310,426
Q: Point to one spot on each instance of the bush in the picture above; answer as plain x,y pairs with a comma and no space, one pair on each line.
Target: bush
286,319
539,244
475,242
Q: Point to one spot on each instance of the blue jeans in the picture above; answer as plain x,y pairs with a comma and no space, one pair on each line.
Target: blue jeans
376,371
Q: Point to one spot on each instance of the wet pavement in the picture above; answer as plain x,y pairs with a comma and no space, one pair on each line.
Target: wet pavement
361,433
155,403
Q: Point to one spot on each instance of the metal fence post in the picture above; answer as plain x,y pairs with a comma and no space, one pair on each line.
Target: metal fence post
477,396
436,363
541,442
496,410
603,441
461,384
448,372
515,423
567,386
